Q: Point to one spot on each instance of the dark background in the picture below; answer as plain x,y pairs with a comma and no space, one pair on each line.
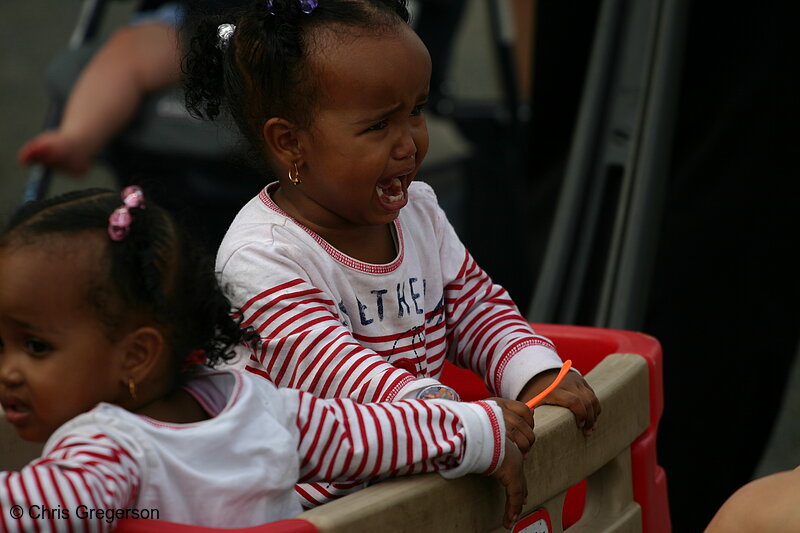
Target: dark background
724,297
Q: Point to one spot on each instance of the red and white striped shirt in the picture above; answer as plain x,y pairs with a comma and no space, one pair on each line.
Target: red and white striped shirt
239,467
335,326
339,327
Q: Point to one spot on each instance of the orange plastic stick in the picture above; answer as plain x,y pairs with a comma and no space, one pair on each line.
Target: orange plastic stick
539,397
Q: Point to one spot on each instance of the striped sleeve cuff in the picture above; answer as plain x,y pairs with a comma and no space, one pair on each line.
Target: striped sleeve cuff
521,365
484,432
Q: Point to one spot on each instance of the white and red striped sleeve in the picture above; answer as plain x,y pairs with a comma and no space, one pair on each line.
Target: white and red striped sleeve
490,335
485,330
304,344
344,441
93,471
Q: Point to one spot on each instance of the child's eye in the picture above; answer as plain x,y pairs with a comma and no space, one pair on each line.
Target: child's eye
418,110
378,126
37,347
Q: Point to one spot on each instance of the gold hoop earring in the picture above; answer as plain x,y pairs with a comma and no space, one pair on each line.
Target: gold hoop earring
132,389
294,178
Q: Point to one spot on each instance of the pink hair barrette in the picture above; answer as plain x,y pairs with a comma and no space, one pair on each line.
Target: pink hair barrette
119,223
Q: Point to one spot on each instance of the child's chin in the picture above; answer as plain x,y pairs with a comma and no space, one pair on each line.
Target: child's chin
33,435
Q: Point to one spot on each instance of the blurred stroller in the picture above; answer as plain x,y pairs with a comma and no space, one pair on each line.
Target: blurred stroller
196,169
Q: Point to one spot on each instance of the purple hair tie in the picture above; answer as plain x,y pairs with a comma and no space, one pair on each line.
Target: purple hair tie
306,6
119,223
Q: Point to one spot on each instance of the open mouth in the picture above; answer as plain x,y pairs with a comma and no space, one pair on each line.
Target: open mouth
391,192
16,412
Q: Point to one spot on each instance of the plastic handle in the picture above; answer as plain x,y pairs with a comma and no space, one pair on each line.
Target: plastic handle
539,397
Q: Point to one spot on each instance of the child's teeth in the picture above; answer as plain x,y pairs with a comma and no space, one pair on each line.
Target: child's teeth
395,185
391,198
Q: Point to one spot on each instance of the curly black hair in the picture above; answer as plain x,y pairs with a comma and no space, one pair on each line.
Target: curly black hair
262,69
157,272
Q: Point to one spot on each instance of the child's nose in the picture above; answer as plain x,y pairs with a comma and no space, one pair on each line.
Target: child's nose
10,373
405,146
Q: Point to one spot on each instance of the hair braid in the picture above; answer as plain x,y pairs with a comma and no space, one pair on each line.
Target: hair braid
263,71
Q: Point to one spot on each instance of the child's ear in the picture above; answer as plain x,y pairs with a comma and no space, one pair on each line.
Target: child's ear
280,136
142,350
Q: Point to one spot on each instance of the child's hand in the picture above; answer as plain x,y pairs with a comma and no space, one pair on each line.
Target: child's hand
573,393
519,423
512,476
55,150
